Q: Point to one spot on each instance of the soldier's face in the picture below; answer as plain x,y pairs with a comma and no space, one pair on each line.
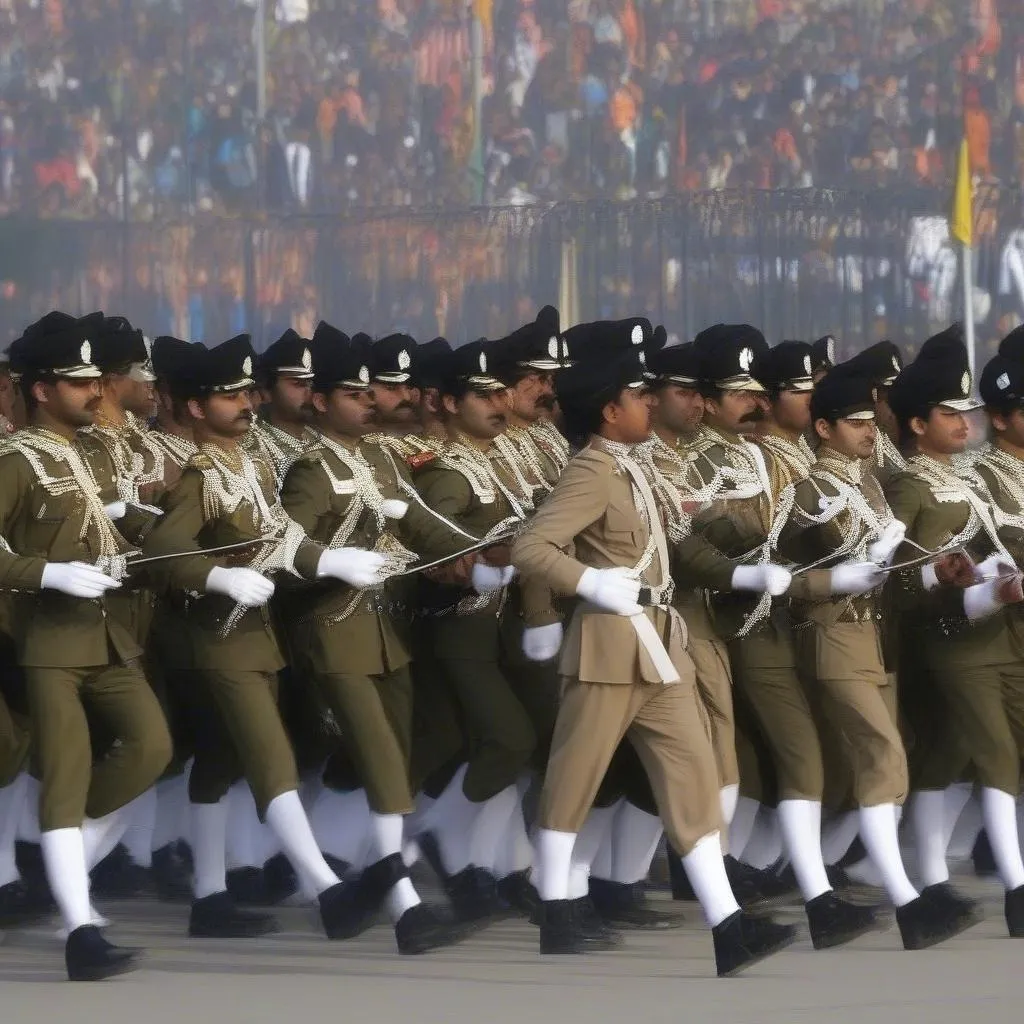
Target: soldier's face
734,410
480,414
396,403
677,409
533,397
140,398
72,403
1009,428
348,412
944,432
629,416
224,415
853,438
291,399
792,410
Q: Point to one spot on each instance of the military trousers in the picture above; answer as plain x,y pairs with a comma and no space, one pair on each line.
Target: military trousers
72,787
239,734
664,725
375,717
844,662
776,697
14,744
714,687
985,726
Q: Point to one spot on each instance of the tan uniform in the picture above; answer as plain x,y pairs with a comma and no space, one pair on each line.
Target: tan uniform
966,702
223,497
346,639
75,653
836,512
623,677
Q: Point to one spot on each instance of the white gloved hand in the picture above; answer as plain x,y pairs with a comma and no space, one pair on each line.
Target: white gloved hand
614,590
856,578
115,510
983,599
394,508
996,564
78,579
771,579
929,577
244,586
542,643
489,578
355,566
881,551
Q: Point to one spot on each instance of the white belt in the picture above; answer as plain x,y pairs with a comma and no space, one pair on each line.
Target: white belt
649,639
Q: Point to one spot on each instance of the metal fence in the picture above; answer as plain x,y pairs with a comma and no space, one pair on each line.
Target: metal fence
798,264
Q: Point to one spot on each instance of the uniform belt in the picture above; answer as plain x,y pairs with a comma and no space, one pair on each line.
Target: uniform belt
648,637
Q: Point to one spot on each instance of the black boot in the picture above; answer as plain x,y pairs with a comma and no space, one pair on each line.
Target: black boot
743,939
983,858
349,908
747,884
948,900
931,919
681,888
119,877
171,875
834,922
248,887
19,905
219,917
519,893
89,957
474,896
423,928
595,931
562,931
1013,907
280,878
625,905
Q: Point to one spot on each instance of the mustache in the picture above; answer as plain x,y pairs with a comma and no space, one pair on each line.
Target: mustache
755,416
246,415
545,402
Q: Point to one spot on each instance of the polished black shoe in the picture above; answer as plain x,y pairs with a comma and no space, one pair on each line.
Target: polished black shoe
19,905
563,929
1013,907
931,919
593,927
519,893
423,928
680,881
117,876
948,900
747,884
219,917
625,905
280,878
743,939
171,876
89,957
834,922
474,896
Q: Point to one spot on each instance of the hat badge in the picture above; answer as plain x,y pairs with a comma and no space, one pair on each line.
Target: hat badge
86,351
483,362
247,366
807,365
746,358
830,349
307,359
636,336
364,375
1003,381
404,360
965,383
553,347
896,363
643,359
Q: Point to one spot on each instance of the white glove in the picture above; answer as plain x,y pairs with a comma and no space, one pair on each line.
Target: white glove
996,565
542,643
244,586
355,566
78,579
614,590
394,508
856,578
929,577
772,579
982,600
115,510
882,550
488,578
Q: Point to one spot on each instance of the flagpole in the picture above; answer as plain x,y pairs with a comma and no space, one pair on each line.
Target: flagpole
967,272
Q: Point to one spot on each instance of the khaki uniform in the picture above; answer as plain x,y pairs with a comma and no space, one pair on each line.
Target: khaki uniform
75,653
224,497
966,703
277,447
738,522
345,639
839,639
615,684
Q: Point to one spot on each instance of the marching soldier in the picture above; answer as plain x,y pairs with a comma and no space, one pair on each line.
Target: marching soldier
970,669
881,364
60,546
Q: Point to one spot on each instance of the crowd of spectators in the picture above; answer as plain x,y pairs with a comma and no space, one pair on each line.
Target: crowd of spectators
136,109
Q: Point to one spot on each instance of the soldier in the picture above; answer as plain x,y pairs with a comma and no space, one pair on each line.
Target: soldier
625,668
430,361
60,546
881,364
392,362
173,431
285,375
970,670
226,497
344,638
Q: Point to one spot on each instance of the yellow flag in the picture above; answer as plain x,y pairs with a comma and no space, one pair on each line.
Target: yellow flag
483,9
961,226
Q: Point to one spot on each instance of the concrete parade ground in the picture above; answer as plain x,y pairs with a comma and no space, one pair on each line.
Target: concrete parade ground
497,976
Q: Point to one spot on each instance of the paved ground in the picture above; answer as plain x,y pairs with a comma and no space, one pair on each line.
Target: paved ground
297,977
